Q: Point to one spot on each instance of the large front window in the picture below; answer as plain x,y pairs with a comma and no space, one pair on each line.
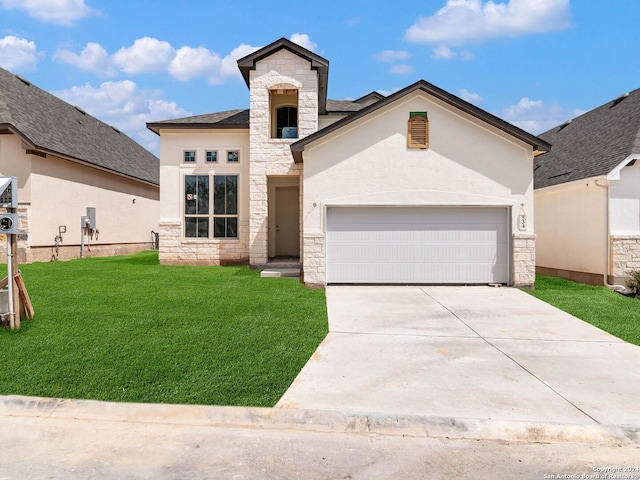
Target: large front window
209,213
225,212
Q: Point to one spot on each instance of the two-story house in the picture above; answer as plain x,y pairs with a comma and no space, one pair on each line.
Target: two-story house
417,187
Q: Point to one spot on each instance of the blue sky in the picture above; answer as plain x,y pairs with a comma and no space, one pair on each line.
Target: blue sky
535,63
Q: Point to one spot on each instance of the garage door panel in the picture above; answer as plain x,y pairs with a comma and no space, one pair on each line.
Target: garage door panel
417,245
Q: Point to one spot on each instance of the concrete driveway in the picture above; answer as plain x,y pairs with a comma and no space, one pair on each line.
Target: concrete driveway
466,353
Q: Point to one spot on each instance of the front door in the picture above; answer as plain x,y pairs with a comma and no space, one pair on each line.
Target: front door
287,222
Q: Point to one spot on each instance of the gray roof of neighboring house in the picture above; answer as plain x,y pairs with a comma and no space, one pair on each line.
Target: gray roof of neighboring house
47,124
592,144
539,144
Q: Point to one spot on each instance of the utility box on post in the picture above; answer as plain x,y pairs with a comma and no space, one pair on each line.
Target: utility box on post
8,223
91,215
9,192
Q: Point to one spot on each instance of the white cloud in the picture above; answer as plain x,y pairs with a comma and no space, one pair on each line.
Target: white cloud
303,40
460,22
392,55
191,62
18,54
125,106
465,55
402,69
94,58
470,96
146,55
443,52
229,66
537,117
149,55
59,12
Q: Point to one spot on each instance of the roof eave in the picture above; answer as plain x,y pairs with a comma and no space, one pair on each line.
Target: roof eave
615,173
569,183
156,127
539,146
80,161
15,131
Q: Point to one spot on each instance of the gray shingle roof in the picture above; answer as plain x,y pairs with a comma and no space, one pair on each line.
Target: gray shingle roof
227,119
240,118
592,144
343,106
51,125
346,106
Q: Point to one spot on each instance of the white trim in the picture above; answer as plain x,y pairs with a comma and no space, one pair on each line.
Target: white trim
615,173
573,182
612,175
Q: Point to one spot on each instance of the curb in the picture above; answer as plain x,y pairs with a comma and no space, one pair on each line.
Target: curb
316,421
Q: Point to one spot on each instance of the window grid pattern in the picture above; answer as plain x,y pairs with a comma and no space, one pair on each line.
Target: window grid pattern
201,201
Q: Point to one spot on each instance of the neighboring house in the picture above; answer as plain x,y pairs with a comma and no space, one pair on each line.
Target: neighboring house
587,197
416,187
66,161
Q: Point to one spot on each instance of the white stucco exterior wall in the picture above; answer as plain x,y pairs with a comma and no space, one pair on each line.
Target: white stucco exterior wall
15,163
174,247
571,227
55,192
625,202
467,163
62,191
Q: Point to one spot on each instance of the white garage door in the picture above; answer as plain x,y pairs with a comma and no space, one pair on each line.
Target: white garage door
434,245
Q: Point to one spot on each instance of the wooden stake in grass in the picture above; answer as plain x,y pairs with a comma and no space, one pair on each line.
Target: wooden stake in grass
27,307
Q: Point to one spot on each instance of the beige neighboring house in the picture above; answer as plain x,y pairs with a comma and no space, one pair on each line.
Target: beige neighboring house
419,187
67,161
587,195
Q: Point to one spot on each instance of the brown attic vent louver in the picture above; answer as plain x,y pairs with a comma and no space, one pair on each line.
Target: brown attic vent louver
418,130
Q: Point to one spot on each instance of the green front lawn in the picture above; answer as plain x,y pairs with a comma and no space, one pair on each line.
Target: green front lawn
127,329
599,306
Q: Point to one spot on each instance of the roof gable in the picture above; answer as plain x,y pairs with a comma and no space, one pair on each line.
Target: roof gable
593,144
50,125
318,63
538,144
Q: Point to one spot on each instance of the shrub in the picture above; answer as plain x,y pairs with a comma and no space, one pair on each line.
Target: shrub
634,281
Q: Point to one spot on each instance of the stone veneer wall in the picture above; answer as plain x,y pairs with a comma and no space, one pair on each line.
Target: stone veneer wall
524,261
314,262
625,255
174,250
272,156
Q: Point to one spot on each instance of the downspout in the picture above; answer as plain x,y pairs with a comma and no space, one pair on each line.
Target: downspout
608,243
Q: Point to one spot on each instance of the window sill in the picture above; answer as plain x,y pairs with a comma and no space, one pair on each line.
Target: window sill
199,241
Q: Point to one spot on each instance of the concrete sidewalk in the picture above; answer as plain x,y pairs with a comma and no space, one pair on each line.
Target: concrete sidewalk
470,353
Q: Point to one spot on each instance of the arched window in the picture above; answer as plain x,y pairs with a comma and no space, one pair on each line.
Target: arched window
287,122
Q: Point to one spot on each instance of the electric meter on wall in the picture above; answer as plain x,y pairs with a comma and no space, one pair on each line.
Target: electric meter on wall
8,223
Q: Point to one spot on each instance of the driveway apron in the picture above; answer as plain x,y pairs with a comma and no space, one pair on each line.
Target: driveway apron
466,352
